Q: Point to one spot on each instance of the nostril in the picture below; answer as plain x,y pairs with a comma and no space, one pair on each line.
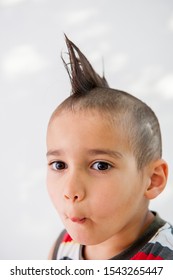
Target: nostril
75,197
66,196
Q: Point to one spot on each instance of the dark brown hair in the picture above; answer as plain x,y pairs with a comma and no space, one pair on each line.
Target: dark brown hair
89,91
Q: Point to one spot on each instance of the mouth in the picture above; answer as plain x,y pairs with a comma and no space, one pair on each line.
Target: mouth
78,220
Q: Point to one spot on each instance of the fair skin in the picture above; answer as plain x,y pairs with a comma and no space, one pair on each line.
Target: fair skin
94,184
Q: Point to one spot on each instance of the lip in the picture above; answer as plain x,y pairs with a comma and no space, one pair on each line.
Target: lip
78,220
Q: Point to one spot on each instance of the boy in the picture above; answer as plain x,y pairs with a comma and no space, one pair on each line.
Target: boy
104,166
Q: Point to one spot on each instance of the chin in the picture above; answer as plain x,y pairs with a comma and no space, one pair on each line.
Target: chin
82,234
83,238
80,238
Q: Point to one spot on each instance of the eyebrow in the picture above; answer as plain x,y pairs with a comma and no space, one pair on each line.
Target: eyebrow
54,153
112,153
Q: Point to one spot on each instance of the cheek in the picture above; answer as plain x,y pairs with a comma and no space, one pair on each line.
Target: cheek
53,191
107,197
113,196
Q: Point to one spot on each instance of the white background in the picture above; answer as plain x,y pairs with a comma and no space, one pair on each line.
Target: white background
135,38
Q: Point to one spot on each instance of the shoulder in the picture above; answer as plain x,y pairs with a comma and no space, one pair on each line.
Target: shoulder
160,246
65,248
55,247
163,239
164,235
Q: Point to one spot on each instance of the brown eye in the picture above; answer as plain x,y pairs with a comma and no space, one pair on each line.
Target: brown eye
59,165
101,166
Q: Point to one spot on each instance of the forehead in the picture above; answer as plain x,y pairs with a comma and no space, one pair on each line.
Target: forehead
88,129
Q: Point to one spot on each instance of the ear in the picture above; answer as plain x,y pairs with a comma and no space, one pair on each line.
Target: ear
158,178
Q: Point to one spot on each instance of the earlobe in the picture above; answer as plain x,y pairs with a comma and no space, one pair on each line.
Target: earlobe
158,179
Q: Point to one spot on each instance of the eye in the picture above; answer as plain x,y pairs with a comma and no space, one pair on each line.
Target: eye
101,165
58,165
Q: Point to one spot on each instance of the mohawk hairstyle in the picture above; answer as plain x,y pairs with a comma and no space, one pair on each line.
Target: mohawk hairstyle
90,92
81,73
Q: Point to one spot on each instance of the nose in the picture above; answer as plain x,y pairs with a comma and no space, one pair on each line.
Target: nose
74,189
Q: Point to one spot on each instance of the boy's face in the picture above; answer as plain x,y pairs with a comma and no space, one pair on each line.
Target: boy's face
93,179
